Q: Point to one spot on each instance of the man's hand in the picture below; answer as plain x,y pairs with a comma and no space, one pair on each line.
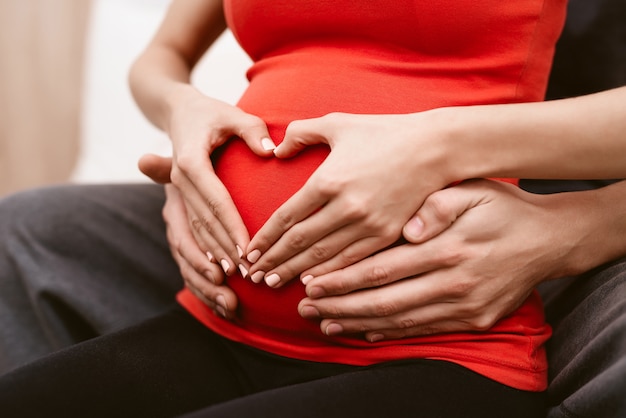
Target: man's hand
476,252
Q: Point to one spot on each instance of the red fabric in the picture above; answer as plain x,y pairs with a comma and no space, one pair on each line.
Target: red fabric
375,56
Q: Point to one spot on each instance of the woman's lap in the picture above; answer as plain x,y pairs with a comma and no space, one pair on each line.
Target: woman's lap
171,365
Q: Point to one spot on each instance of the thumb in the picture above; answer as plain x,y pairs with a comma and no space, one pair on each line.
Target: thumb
257,137
156,167
440,210
299,135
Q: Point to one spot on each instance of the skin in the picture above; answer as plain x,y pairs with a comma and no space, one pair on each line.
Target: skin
575,138
542,140
196,125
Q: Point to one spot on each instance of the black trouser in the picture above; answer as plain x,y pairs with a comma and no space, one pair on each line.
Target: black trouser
172,365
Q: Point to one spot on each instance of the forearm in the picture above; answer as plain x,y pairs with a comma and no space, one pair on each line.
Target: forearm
579,138
161,75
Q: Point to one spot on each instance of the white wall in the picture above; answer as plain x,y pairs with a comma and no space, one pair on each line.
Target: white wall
114,132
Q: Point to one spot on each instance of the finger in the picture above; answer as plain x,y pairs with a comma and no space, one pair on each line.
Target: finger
203,232
425,320
310,242
156,167
298,207
386,267
377,303
255,134
301,134
438,212
217,220
221,299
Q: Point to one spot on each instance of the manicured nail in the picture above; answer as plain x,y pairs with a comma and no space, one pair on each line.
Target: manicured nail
254,256
272,280
334,329
243,270
268,144
376,337
211,258
258,276
239,251
306,279
225,265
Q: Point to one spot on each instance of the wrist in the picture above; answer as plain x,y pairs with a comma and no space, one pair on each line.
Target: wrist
593,224
453,147
175,95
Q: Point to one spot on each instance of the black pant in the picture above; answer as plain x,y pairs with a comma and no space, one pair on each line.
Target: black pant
172,365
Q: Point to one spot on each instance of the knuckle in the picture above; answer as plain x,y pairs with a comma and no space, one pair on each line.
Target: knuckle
461,287
377,276
285,219
407,323
320,252
483,322
384,308
297,240
328,184
185,161
440,208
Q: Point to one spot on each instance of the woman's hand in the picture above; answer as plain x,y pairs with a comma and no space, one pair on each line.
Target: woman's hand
477,251
198,126
355,203
202,276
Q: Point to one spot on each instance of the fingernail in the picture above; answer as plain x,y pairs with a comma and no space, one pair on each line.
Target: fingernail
239,251
376,337
306,279
414,227
309,312
272,280
258,276
221,301
225,265
334,329
315,292
211,258
254,256
243,270
268,144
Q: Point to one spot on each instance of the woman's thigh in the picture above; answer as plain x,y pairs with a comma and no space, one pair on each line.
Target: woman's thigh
420,388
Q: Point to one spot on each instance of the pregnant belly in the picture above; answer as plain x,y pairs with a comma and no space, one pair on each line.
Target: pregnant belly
258,187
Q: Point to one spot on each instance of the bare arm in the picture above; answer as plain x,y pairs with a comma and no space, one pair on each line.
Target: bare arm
578,138
163,70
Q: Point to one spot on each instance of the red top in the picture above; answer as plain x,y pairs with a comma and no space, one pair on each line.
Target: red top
377,56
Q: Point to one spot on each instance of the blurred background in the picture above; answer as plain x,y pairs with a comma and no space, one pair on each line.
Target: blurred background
66,114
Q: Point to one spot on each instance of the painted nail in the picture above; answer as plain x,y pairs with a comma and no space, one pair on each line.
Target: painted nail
254,256
243,270
306,279
239,251
258,276
268,144
211,258
225,265
272,280
376,337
